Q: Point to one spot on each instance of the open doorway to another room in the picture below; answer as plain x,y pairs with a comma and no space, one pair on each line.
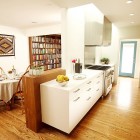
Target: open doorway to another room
127,58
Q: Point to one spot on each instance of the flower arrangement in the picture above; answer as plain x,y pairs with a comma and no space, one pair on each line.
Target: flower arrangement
73,65
74,60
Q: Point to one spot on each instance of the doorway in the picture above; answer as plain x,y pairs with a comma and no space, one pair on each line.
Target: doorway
127,58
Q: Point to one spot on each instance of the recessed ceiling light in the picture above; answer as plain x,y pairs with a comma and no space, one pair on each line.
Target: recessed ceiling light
132,22
131,14
129,1
34,22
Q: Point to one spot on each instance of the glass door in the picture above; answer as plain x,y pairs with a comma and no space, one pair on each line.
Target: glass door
127,58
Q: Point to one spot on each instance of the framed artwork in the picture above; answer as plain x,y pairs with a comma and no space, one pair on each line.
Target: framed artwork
7,45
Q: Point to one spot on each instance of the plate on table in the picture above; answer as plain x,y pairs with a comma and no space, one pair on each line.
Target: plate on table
79,76
17,78
1,78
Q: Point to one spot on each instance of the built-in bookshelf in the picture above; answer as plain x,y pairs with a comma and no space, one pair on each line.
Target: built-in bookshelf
45,51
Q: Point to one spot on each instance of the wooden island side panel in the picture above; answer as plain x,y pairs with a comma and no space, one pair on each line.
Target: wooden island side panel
31,86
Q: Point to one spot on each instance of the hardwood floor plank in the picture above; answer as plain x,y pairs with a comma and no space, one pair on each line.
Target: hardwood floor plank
116,117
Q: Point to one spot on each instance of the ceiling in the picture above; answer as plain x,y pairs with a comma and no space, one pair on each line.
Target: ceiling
30,13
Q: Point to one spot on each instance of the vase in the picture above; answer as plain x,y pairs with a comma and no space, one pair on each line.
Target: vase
73,68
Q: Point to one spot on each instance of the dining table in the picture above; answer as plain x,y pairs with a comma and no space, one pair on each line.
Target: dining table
7,88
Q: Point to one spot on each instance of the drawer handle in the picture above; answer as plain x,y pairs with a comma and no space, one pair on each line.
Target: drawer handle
88,98
76,99
89,82
97,89
98,82
76,90
98,76
89,89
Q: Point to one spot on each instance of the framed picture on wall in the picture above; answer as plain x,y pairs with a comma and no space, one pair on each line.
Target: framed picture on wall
7,45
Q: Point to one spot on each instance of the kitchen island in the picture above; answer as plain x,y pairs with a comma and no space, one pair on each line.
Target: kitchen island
64,107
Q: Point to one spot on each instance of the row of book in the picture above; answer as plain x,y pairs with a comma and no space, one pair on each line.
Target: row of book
45,63
48,67
46,39
44,51
46,57
43,45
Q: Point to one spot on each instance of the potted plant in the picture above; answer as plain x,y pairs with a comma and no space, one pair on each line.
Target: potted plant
36,70
104,60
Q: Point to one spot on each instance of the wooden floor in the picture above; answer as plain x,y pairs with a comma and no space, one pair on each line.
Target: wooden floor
116,117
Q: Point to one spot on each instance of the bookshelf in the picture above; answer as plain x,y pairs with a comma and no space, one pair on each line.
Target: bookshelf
45,51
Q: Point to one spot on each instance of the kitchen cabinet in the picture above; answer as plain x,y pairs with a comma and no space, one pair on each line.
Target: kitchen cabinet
45,51
64,107
107,32
93,26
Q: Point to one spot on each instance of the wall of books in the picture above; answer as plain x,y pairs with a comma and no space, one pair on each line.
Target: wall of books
45,51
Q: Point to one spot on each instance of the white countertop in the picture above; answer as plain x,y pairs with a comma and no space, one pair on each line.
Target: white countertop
72,83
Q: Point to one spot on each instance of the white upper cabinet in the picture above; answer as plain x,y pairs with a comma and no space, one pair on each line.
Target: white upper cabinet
93,26
107,32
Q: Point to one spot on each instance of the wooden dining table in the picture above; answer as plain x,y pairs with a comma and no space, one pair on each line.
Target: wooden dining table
7,89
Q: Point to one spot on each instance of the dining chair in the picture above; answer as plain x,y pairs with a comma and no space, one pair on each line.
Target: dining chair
2,105
19,92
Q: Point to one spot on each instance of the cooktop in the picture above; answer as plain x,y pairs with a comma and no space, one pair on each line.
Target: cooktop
97,67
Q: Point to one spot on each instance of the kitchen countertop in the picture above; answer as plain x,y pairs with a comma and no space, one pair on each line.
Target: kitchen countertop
72,83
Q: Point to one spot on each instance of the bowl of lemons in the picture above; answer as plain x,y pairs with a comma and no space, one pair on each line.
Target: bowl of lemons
62,80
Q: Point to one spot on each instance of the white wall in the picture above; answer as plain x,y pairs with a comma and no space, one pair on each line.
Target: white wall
112,51
129,32
73,36
21,58
44,30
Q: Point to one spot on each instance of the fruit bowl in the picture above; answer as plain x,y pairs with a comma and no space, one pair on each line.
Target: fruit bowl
62,80
62,84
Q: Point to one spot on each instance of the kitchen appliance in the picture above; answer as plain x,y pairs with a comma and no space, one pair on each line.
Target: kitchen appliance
108,76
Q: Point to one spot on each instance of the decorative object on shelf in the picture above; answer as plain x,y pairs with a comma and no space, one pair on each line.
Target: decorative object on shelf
62,80
104,60
7,45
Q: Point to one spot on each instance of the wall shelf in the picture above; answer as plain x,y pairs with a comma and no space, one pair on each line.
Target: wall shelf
45,50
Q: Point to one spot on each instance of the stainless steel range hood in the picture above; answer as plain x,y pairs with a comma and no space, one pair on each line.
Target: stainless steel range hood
93,34
98,34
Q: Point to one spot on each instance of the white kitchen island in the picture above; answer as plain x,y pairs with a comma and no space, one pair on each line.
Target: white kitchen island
64,107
